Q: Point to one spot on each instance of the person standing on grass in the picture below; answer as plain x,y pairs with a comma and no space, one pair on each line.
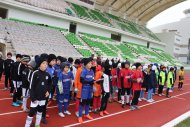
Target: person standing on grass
7,72
181,78
87,80
63,88
40,86
137,79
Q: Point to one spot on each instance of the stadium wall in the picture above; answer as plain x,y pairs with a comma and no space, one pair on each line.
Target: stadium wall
22,14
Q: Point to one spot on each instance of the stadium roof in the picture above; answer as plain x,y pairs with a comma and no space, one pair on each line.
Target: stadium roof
143,10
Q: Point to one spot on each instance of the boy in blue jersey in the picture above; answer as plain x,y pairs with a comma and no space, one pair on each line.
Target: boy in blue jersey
87,80
63,88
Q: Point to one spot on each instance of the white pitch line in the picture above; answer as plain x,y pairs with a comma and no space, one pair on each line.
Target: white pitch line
113,114
180,98
9,113
5,99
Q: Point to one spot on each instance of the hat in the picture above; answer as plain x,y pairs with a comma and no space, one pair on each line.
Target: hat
63,65
32,63
133,67
25,58
41,60
86,61
9,53
145,67
119,65
154,68
51,57
137,65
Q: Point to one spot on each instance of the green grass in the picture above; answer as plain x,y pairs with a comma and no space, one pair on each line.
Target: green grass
185,123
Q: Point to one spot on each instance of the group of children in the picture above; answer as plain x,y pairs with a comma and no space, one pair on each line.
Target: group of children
91,82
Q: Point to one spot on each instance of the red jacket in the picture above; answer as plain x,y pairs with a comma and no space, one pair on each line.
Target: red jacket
137,75
126,76
114,76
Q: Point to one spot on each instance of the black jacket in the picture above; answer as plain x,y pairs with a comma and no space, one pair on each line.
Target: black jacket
26,77
16,71
40,83
1,65
7,66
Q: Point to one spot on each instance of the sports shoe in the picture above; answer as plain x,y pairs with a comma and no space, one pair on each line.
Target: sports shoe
160,95
105,112
15,104
139,99
123,106
19,102
44,121
152,100
11,94
88,117
101,113
67,112
26,110
149,101
80,120
5,88
136,106
61,114
47,116
132,107
77,114
143,99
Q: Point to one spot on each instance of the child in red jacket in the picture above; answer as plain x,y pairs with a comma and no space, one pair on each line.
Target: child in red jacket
114,80
125,83
137,79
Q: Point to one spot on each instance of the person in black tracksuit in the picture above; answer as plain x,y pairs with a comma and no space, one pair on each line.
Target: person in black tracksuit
7,72
26,75
16,71
1,66
40,86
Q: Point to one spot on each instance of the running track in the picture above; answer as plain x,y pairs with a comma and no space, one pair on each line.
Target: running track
150,115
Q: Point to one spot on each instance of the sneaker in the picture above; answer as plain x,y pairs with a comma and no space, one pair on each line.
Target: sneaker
152,100
67,112
83,112
149,101
119,102
139,99
170,91
168,96
19,102
128,104
5,88
47,116
80,120
132,107
123,106
77,114
105,112
143,99
61,114
101,113
26,110
11,94
160,95
136,106
44,121
88,117
15,104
